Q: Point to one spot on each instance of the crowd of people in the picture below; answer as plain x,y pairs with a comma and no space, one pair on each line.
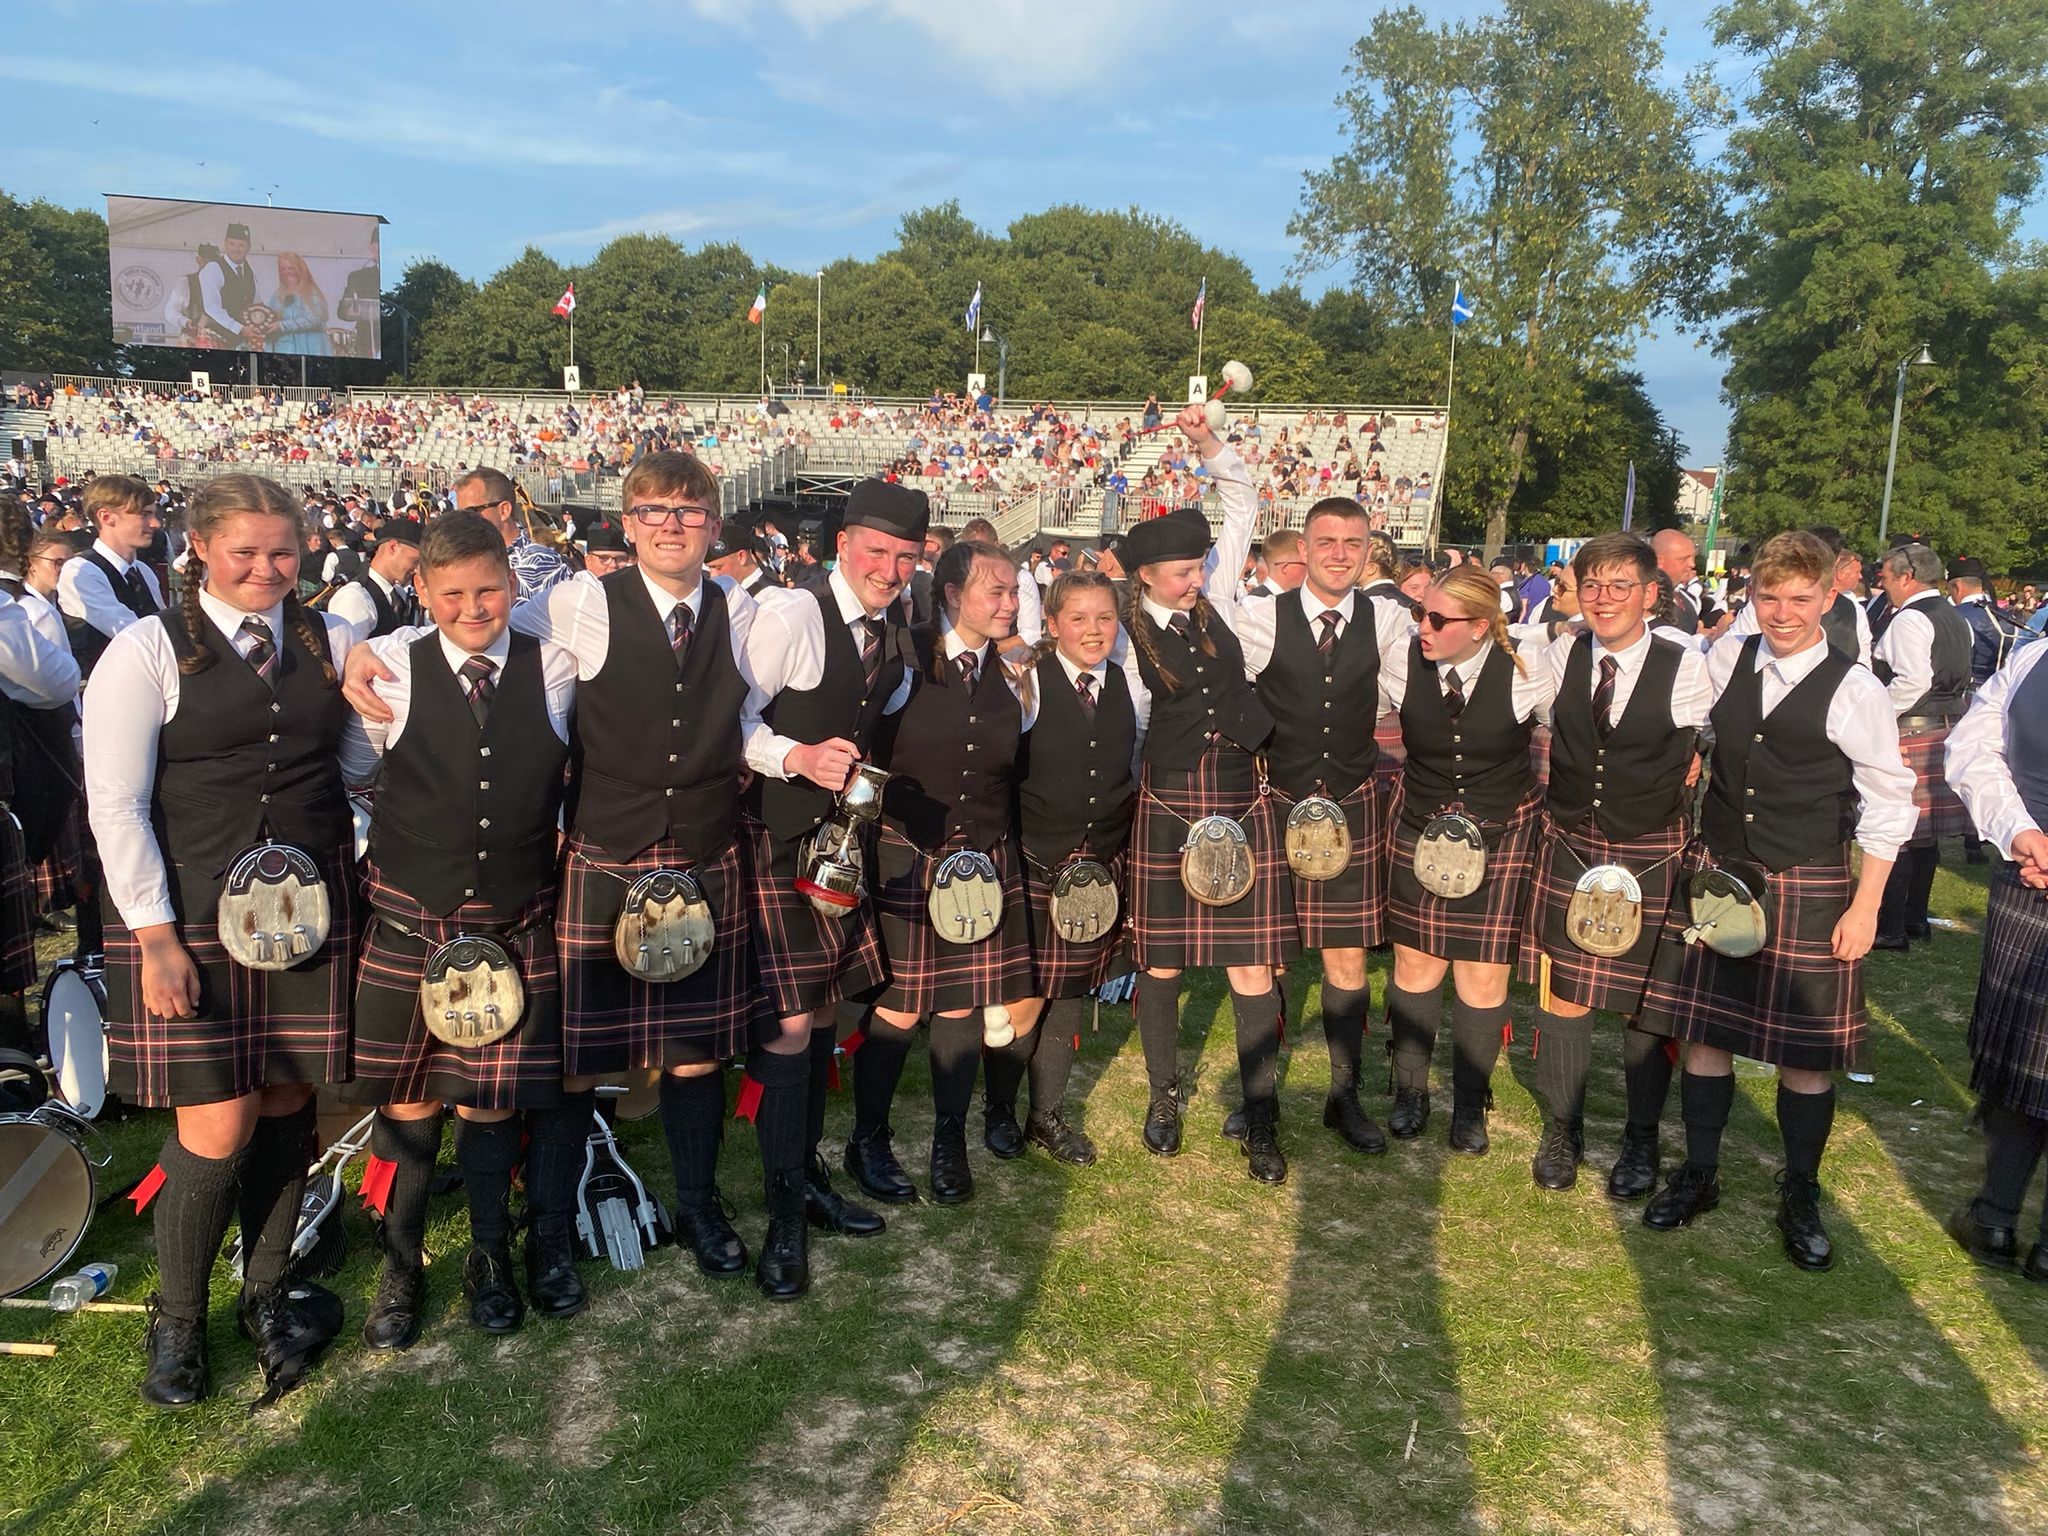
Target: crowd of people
690,792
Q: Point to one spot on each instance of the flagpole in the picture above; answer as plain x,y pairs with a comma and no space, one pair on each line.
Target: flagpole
762,326
1201,321
572,335
1443,473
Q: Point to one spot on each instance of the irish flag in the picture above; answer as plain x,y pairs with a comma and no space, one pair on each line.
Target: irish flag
760,306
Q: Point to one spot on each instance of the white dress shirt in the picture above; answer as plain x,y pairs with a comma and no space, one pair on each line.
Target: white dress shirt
1258,620
1907,647
1977,769
1530,695
1747,623
34,669
364,742
42,612
1860,724
786,650
84,592
1692,696
1030,608
985,658
133,694
351,602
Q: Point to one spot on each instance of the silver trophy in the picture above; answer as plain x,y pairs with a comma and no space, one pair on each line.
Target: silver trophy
832,876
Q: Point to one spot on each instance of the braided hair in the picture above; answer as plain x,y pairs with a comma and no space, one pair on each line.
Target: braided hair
217,501
1139,628
17,535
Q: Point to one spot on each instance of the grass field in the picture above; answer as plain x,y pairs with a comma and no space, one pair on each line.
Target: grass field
1406,1343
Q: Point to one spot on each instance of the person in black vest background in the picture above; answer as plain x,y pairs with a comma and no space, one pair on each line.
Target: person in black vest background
382,598
1805,759
227,290
951,752
110,586
1204,724
1997,759
1076,793
828,660
1921,653
458,852
208,730
1624,720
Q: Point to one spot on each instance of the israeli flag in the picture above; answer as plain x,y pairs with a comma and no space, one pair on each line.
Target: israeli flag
974,308
1462,308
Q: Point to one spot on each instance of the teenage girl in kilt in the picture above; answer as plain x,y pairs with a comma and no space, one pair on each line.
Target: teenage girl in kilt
1624,722
1998,762
951,751
1203,724
828,658
208,729
1805,758
1467,704
1076,793
463,841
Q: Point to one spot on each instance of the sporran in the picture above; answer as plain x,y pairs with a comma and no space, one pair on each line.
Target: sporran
1450,856
966,898
274,910
1318,839
470,992
1084,903
1216,862
665,930
1726,909
1605,914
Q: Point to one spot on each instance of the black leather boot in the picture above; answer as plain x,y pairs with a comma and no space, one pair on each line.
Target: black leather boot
952,1180
872,1161
784,1269
1692,1192
1635,1170
1409,1117
177,1376
551,1278
707,1231
830,1211
394,1320
1806,1240
1162,1122
494,1304
1558,1155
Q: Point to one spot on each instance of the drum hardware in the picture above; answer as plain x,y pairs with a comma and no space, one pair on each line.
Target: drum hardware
833,874
965,902
1318,838
274,911
1450,856
48,1154
74,1014
616,1219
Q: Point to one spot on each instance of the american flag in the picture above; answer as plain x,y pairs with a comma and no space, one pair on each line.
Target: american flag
1201,303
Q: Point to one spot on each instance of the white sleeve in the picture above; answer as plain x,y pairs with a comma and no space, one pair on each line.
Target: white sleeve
1977,768
1862,633
33,671
352,604
1030,610
1125,655
1908,650
1396,628
1257,623
739,616
771,643
211,276
1240,513
1860,723
558,672
126,706
84,592
1692,694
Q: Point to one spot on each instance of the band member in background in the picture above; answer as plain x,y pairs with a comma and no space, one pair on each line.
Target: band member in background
457,851
1467,704
1314,654
38,687
951,752
1381,577
210,729
1627,708
536,567
382,599
1805,758
1998,763
604,547
1679,559
1203,725
828,661
736,557
109,587
1076,793
1921,653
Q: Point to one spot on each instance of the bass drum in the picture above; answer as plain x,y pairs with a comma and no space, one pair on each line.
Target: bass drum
47,1192
74,1013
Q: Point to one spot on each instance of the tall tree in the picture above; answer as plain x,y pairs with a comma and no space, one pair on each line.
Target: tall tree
1535,157
1886,151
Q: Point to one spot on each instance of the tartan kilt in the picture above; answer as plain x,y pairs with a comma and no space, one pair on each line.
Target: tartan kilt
2009,1025
1942,813
612,1021
1486,926
1613,983
807,961
399,1061
252,1029
1170,930
928,975
1386,772
57,874
17,910
1349,912
1074,970
1539,755
1793,1004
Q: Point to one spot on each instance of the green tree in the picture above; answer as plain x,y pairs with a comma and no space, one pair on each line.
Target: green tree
1886,151
1535,157
429,293
55,305
505,335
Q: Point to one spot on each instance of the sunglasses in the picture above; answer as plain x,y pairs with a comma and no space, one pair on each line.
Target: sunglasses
1440,621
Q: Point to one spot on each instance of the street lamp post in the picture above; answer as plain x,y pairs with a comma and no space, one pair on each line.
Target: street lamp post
1920,359
1002,360
819,350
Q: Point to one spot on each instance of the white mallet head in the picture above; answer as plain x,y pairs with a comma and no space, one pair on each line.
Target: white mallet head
1235,376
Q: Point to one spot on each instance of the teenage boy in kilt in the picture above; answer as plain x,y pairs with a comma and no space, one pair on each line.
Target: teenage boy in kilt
1624,724
1805,759
1204,725
951,752
1998,762
1920,651
829,659
1314,653
209,729
468,776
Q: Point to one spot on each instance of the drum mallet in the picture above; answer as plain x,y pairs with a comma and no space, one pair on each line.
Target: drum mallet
1235,376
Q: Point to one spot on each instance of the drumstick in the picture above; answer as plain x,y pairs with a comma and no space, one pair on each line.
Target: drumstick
43,1351
29,1303
1544,996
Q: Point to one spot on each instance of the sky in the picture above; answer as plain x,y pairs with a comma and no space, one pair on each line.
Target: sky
803,129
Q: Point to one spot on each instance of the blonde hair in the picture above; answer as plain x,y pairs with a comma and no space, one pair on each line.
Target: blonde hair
1473,590
1792,557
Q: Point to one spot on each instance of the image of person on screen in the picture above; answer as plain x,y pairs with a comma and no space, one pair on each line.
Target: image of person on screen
361,303
301,310
185,307
227,292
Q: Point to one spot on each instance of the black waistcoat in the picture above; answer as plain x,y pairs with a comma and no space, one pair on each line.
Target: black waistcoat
1213,697
463,812
2026,742
658,746
1839,625
89,644
1324,708
1948,691
1780,793
39,768
237,293
951,752
1480,760
839,706
240,760
388,616
1074,782
1633,782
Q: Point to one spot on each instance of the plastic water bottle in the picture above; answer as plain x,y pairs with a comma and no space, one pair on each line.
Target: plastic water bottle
89,1284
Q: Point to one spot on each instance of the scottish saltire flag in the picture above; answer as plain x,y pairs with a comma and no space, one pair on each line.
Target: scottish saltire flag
974,308
1201,304
1462,308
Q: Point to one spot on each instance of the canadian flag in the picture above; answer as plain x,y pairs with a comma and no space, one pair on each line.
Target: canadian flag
566,304
760,306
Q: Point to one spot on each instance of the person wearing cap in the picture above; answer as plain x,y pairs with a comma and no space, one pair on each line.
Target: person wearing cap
829,660
1921,653
227,291
737,557
1993,636
381,598
604,546
1204,725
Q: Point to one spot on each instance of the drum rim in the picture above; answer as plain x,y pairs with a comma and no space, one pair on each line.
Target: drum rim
96,988
77,1147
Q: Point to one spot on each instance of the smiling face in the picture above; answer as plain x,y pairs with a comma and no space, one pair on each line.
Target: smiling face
876,565
986,607
1084,629
468,600
1615,600
252,560
664,546
1172,584
1336,555
1789,610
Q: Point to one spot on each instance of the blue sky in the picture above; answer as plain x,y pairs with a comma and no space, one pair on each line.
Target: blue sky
800,128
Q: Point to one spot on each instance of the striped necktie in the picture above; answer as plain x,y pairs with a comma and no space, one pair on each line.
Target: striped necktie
478,677
262,652
1603,695
1085,685
679,630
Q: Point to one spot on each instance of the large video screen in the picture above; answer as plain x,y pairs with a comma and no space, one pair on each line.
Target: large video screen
295,282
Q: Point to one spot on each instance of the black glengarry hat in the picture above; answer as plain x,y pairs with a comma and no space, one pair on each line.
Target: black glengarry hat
888,508
1181,535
